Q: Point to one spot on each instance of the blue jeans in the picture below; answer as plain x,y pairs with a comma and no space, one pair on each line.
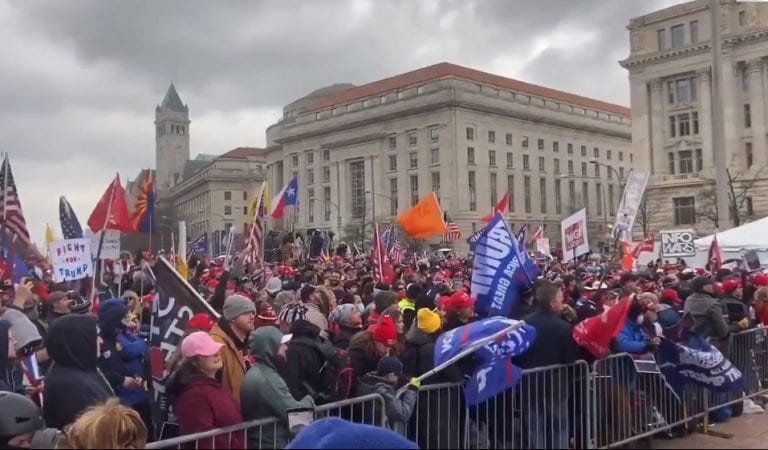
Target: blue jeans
548,423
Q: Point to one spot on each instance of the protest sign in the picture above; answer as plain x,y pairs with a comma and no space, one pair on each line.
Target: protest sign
630,204
677,243
574,235
71,259
110,247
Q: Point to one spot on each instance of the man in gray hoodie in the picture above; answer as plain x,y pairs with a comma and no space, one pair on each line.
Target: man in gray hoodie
707,313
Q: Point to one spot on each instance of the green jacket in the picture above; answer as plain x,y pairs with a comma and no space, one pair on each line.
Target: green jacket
264,393
398,410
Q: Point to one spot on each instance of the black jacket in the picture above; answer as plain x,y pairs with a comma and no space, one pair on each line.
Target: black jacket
344,335
419,358
304,359
554,342
74,382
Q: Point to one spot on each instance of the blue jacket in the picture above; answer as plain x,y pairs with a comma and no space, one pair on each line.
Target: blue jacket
632,339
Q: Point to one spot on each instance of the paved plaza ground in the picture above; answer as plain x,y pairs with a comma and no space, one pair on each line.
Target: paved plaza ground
749,431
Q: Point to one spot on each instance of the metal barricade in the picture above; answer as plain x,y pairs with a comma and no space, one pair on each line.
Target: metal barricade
437,418
368,409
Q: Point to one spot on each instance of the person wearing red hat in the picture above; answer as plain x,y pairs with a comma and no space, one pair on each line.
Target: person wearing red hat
736,311
759,279
200,322
459,310
368,347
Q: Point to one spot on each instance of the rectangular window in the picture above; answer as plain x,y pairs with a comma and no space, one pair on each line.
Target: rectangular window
744,73
470,134
472,185
527,193
509,139
227,210
494,190
621,156
491,137
747,116
672,126
557,165
434,155
413,160
327,204
524,142
555,146
611,210
470,155
750,207
357,188
434,134
245,196
414,189
671,160
609,172
671,92
748,154
492,158
685,163
311,206
510,160
294,160
558,198
684,124
608,154
699,160
310,158
572,195
597,171
526,162
583,169
326,155
742,18
540,144
661,39
570,148
541,164
326,174
693,27
543,194
585,194
392,163
695,117
392,142
436,184
227,195
678,36
596,152
310,176
570,167
583,150
685,210
631,158
621,173
412,138
511,193
393,196
599,198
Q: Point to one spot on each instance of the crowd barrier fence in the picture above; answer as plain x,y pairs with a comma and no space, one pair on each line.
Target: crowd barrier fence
613,402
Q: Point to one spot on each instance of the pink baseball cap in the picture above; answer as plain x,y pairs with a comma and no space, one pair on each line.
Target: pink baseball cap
199,343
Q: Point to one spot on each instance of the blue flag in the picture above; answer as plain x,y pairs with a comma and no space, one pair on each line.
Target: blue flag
199,246
498,270
703,365
522,237
70,226
496,373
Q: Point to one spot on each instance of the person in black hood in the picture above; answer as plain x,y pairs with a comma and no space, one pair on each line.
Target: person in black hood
74,382
7,379
305,353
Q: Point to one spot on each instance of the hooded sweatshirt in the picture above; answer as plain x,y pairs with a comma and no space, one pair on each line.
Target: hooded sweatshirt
7,382
264,392
74,382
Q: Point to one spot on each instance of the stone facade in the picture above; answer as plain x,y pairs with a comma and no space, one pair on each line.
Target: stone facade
370,151
172,141
670,84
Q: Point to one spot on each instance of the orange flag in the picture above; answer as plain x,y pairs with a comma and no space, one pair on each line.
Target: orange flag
424,220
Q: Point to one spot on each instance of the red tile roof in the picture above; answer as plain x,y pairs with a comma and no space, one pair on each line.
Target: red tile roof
447,70
244,153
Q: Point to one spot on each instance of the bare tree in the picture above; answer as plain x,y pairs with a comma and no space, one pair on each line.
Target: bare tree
648,210
740,189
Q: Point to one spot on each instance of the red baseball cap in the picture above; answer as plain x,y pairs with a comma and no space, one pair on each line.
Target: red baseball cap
759,279
385,331
458,300
671,294
729,286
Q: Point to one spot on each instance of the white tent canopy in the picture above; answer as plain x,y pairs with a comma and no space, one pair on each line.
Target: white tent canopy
750,236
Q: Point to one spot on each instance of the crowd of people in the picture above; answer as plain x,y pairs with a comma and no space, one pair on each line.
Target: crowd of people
317,332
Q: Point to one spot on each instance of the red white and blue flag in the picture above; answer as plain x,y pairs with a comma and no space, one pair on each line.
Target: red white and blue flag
288,196
11,215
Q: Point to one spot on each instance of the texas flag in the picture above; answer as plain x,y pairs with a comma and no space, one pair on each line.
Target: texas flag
288,196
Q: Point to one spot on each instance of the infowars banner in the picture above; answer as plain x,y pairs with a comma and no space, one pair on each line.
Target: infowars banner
678,243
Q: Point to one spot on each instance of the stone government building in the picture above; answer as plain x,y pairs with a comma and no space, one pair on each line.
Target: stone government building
369,151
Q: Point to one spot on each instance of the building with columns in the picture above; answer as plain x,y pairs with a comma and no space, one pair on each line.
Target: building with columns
367,152
670,81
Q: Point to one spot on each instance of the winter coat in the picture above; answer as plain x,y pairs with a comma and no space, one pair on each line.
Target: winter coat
398,410
362,356
265,394
7,379
707,314
631,339
343,337
202,404
734,309
74,382
554,342
418,358
305,360
231,354
316,317
407,308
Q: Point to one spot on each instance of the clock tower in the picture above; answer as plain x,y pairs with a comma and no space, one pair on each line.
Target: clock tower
171,142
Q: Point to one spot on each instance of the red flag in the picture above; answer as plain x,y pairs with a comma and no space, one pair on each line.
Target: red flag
538,234
644,246
500,207
596,333
714,258
111,212
382,265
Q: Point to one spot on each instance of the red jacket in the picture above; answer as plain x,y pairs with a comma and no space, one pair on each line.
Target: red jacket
205,405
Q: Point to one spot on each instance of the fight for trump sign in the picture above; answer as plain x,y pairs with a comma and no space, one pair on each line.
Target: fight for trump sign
677,243
574,234
71,259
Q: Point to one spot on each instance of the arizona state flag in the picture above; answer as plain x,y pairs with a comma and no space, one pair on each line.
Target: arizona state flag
111,213
145,205
424,220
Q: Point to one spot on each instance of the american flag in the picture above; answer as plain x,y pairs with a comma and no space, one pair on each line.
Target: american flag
323,258
11,215
387,238
452,233
70,226
253,253
396,254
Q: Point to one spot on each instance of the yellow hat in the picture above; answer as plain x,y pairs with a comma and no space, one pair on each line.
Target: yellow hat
427,320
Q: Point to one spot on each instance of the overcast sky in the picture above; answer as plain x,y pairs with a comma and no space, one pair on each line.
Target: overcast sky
80,79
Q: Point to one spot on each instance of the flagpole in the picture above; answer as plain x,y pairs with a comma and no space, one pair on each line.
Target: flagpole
101,238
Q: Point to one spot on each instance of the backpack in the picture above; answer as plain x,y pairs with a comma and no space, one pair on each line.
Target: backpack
336,374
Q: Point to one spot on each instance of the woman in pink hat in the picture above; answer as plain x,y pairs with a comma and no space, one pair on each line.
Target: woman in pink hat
199,401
